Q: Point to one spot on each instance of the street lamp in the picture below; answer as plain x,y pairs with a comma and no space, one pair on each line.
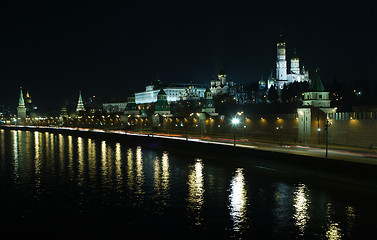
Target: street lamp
327,125
235,122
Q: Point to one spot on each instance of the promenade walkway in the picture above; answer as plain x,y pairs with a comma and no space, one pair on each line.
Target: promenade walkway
337,152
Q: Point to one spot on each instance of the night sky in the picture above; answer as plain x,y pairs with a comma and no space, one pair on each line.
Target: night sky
56,49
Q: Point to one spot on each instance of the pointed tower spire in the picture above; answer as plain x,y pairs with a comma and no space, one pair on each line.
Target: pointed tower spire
80,104
21,109
21,101
316,95
316,84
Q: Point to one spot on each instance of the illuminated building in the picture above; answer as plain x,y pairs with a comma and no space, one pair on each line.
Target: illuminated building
208,106
162,105
21,109
80,104
221,86
313,115
283,75
174,92
316,95
131,107
114,106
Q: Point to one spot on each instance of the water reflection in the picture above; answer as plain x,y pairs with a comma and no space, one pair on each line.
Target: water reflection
333,231
61,152
2,147
196,191
80,152
37,162
161,182
301,204
70,157
118,170
144,185
104,167
130,179
15,154
238,199
351,218
139,174
92,158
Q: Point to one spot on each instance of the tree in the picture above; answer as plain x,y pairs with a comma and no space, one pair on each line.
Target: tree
272,94
285,93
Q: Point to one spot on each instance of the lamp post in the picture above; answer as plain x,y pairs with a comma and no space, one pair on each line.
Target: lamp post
235,122
327,125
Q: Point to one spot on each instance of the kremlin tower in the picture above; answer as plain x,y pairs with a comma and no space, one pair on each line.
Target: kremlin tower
21,109
80,104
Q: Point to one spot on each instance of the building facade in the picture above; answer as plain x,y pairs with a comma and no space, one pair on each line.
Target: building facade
314,111
285,75
115,106
174,92
21,109
223,86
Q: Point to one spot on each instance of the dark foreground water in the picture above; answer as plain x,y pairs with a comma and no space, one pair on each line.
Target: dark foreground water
61,186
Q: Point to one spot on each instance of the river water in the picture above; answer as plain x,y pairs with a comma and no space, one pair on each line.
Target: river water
63,186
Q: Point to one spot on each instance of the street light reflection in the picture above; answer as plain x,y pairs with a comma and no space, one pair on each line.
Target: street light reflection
238,199
161,182
333,231
118,170
139,175
301,204
196,191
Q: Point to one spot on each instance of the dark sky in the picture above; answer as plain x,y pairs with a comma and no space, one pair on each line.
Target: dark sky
54,50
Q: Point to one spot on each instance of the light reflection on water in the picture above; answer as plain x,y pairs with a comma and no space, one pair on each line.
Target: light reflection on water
196,192
238,200
301,204
161,183
139,175
205,194
333,231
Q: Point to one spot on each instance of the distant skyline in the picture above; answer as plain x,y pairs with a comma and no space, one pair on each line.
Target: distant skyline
56,49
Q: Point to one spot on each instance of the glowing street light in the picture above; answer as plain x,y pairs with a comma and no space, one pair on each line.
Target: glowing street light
235,122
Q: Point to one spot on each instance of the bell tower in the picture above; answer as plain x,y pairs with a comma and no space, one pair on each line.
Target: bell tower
295,63
281,62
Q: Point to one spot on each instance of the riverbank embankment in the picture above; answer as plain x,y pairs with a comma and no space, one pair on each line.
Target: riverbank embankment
353,172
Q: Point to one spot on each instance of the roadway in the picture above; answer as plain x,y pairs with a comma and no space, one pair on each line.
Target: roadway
344,153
